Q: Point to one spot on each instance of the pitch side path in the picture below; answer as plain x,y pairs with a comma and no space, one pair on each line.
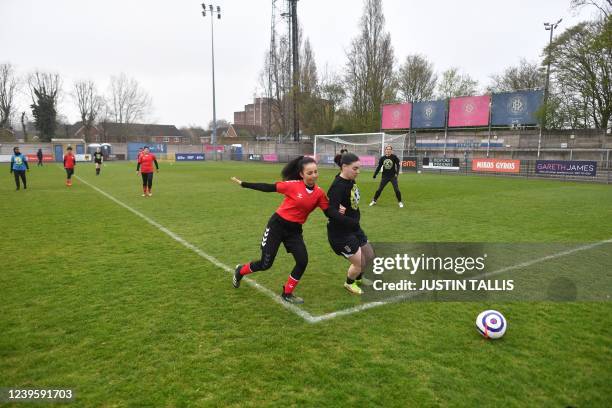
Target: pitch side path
98,299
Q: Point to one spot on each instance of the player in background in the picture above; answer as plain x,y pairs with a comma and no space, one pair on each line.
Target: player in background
344,232
145,168
98,157
39,156
302,196
69,163
140,150
390,165
19,165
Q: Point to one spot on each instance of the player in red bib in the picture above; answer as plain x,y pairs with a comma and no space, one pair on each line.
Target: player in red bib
302,196
69,163
145,168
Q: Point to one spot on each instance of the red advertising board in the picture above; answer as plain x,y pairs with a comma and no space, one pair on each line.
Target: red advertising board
34,158
396,116
211,148
468,111
496,165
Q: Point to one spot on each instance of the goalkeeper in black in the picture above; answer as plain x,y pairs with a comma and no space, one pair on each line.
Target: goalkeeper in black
390,165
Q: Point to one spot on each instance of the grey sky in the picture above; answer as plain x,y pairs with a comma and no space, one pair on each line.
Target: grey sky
165,45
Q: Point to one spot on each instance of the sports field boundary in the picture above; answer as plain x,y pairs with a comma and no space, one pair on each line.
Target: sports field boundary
306,316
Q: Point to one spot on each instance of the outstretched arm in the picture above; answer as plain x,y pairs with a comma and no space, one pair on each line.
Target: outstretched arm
265,187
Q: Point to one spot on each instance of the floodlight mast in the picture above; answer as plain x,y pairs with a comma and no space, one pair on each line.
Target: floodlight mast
213,139
548,27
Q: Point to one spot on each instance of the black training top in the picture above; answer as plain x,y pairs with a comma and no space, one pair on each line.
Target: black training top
346,193
390,166
97,156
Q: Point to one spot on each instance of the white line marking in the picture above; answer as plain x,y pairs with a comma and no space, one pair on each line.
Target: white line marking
300,312
395,299
344,312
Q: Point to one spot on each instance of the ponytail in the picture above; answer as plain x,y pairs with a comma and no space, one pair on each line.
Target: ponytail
292,170
346,158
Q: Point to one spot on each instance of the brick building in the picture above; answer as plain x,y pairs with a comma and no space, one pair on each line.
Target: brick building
258,114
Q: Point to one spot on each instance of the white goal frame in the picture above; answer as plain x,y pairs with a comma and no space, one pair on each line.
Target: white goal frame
395,140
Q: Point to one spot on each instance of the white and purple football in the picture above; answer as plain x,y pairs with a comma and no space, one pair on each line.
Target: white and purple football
491,324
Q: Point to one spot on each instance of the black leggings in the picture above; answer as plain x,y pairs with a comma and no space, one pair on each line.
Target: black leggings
383,183
20,174
147,180
69,173
280,231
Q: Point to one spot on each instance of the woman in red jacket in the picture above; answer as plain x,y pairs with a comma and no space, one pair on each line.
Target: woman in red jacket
145,168
69,163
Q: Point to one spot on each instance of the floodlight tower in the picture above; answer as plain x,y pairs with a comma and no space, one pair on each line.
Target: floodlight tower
212,11
548,27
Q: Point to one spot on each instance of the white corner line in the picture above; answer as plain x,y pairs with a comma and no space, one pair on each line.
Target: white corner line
291,307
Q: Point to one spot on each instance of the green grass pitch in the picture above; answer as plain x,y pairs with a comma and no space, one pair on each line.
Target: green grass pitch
95,299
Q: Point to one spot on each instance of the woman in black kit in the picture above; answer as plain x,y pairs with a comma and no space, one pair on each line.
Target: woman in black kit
344,232
390,165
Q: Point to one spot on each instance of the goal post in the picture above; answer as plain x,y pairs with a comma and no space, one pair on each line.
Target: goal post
368,146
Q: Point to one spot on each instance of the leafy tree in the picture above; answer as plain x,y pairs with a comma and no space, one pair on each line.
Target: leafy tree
453,84
416,79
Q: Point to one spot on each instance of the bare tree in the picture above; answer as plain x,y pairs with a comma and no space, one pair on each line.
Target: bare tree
454,84
527,75
128,102
46,83
416,79
369,77
45,88
89,103
604,6
315,110
309,80
8,87
221,123
277,81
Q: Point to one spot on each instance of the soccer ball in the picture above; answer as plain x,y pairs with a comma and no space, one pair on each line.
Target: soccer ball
491,324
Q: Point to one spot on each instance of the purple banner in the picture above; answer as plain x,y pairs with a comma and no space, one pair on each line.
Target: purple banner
189,157
567,168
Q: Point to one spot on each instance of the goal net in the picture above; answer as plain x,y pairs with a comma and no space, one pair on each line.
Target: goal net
368,146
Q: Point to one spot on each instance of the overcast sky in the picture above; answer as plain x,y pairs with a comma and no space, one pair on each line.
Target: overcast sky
165,45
